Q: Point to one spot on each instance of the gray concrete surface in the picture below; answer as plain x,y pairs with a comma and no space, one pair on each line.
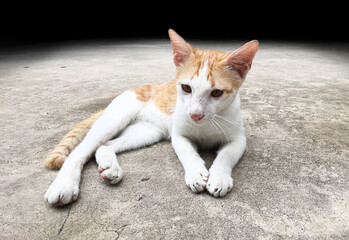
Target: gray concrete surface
292,182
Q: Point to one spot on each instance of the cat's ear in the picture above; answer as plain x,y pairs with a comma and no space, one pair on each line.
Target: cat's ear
241,60
181,49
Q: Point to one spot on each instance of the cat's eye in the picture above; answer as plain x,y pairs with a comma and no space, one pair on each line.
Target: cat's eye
216,93
186,88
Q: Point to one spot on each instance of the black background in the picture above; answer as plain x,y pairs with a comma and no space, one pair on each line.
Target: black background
62,21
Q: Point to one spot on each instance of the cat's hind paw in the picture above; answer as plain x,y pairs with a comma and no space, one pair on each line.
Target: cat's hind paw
112,174
196,179
219,184
108,165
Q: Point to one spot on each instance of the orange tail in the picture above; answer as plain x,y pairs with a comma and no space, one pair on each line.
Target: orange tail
56,158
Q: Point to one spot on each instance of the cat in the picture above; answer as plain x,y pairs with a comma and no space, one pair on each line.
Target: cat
201,108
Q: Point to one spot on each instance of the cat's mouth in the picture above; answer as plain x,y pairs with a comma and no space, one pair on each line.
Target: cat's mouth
200,122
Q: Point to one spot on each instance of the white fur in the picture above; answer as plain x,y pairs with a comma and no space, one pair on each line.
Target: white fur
136,124
65,188
221,126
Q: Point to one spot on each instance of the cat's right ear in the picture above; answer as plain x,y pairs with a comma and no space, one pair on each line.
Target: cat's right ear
181,49
241,59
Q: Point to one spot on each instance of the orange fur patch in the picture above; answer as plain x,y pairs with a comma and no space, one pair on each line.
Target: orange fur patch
144,92
163,95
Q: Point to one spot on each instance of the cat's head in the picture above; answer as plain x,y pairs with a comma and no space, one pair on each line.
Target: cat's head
208,80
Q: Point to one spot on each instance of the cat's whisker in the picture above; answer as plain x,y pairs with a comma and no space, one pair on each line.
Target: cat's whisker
216,129
211,124
224,131
227,120
235,124
221,128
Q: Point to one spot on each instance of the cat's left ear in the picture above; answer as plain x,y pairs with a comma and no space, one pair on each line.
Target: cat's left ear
181,49
241,60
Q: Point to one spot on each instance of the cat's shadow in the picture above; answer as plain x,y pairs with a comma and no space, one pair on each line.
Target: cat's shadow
208,156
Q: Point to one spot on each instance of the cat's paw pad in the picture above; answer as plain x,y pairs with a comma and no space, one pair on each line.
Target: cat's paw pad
196,179
112,174
219,184
62,191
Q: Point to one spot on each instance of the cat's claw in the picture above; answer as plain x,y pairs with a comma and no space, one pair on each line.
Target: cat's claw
196,179
62,191
219,184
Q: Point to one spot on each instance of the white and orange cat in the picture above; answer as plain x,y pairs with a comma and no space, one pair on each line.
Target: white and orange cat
201,108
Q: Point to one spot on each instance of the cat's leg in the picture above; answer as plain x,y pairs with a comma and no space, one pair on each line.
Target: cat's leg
196,174
65,188
137,135
220,181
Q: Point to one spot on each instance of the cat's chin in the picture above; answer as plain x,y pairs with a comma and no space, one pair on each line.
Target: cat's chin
197,123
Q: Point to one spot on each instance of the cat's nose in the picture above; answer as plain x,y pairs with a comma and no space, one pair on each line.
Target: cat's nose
196,117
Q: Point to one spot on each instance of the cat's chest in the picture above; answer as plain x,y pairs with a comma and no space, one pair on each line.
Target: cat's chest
206,136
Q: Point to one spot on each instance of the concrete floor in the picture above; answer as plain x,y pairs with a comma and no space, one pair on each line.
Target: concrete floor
292,182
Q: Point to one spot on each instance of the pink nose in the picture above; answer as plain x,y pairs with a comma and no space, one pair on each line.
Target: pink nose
196,117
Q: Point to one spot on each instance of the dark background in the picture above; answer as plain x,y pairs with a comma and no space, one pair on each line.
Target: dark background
62,21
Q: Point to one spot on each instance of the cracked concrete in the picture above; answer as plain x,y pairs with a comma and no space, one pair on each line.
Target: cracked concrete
292,182
65,220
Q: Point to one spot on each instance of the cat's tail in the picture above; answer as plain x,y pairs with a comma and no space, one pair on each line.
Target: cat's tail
56,158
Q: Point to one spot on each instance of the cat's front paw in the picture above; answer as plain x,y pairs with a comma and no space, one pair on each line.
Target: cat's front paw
219,183
62,191
196,178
